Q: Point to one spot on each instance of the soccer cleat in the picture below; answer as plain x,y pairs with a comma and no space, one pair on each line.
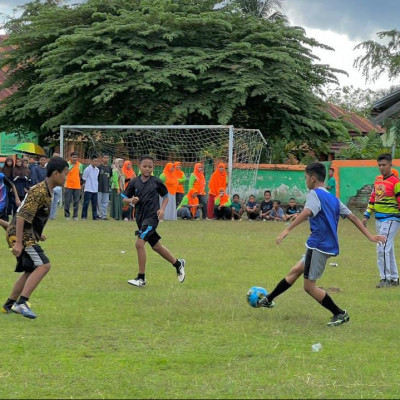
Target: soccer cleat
339,319
137,282
23,309
382,283
181,271
6,310
394,282
264,302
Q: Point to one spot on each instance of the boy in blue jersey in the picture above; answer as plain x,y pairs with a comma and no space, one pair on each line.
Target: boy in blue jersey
323,210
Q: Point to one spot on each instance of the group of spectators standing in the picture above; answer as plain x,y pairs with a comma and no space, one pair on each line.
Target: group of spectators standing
100,184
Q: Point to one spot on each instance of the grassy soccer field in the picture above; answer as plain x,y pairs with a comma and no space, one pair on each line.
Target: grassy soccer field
98,337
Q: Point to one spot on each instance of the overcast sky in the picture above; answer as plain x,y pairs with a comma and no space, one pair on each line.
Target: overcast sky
341,24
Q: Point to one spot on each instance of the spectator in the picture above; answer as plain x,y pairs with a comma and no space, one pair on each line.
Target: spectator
103,196
252,208
21,180
5,185
277,213
189,206
266,206
180,190
39,173
237,208
129,174
72,191
331,184
170,180
91,187
117,187
57,192
219,179
293,210
222,205
8,172
198,181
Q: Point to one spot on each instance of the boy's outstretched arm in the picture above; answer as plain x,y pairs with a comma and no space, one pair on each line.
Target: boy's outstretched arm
302,217
373,238
3,224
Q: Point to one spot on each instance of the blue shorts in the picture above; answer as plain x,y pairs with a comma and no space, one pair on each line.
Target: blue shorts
148,234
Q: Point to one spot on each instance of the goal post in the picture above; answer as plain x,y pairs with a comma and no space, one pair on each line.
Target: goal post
239,149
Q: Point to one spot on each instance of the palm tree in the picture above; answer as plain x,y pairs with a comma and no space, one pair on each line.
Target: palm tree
267,9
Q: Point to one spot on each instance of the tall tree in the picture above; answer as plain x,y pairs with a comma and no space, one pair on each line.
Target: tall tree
380,57
163,62
268,9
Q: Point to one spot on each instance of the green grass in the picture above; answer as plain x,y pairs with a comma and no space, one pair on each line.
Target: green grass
98,337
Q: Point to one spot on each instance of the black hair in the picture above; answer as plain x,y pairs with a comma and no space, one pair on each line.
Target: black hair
105,155
292,198
145,157
267,191
236,195
94,156
252,195
56,164
316,169
42,156
331,169
385,156
74,153
276,201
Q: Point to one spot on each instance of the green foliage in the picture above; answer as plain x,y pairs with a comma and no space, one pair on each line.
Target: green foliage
363,147
163,62
380,57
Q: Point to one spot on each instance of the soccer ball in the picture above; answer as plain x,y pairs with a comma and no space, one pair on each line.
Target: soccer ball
254,294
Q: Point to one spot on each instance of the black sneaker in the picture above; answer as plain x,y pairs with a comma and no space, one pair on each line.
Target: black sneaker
382,284
264,302
339,319
394,282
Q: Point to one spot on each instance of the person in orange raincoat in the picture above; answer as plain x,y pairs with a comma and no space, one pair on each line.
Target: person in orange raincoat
180,191
198,181
222,205
129,174
170,180
218,180
189,206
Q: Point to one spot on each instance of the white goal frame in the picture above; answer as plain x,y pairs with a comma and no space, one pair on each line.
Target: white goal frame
229,128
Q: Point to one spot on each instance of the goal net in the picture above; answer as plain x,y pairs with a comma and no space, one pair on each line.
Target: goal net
239,149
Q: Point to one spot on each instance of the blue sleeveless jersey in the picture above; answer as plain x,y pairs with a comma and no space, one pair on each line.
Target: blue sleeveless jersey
324,225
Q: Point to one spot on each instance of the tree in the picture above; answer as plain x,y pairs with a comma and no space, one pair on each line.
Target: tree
163,62
355,100
268,9
380,57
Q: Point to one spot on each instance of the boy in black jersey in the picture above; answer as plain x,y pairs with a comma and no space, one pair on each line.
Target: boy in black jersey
144,192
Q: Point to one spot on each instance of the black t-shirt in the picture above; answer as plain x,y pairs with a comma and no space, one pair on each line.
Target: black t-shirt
149,200
105,174
266,206
294,210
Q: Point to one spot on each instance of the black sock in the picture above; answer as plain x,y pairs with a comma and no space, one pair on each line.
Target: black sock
281,287
9,303
22,299
329,304
177,264
140,276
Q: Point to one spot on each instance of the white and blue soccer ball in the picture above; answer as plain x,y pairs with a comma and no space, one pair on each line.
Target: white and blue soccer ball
255,294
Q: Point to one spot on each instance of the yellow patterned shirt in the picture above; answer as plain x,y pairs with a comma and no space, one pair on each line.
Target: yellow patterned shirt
35,210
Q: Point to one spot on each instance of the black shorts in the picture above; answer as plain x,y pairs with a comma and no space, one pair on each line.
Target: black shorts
30,258
148,234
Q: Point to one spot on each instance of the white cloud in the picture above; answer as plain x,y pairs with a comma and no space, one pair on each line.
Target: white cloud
343,58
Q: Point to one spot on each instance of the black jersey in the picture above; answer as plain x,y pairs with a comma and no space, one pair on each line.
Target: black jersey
149,193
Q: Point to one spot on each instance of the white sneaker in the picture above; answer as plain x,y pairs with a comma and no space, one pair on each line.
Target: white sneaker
137,282
181,271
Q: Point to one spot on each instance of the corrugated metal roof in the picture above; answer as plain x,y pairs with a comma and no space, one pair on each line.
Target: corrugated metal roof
385,102
364,125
